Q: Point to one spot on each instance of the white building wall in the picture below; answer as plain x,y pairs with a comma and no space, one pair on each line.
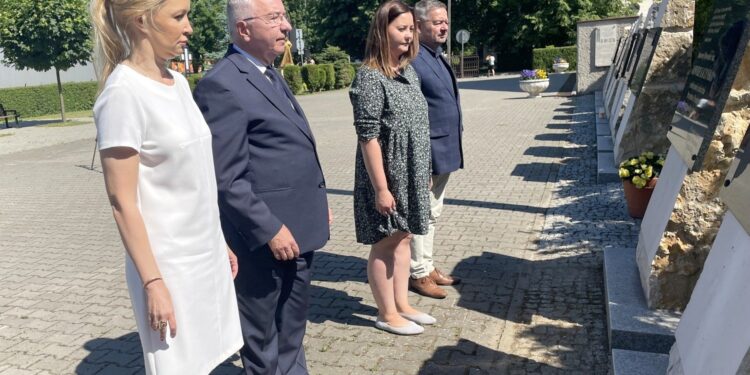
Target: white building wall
10,77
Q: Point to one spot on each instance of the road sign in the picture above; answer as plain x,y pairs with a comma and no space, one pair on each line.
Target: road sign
299,42
462,36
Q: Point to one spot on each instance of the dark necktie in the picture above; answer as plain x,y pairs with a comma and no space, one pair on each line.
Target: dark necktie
275,79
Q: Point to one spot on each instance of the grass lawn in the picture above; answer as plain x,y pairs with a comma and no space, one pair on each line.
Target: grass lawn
73,114
66,123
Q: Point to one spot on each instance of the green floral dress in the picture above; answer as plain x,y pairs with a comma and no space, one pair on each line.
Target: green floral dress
395,112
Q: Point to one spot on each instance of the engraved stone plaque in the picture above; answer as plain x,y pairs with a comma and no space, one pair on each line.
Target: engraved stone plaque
644,62
605,45
635,55
736,192
630,52
710,81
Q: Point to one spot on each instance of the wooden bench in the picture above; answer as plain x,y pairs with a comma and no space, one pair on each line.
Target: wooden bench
6,114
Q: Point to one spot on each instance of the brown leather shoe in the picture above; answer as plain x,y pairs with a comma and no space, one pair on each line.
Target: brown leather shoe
442,279
427,287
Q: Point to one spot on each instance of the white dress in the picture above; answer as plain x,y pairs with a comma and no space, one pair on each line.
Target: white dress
178,201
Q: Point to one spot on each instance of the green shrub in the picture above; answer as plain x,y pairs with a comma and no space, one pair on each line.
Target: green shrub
330,55
193,80
314,76
293,77
344,74
543,58
330,76
43,100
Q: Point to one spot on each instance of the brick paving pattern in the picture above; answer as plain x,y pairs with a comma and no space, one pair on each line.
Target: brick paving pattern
523,226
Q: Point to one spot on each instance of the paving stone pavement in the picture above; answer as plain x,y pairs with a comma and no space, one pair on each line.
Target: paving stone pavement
524,226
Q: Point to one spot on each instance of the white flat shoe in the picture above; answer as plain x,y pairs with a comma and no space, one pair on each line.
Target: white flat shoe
420,318
409,329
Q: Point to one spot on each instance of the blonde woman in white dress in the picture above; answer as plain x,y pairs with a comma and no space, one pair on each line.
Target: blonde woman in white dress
158,169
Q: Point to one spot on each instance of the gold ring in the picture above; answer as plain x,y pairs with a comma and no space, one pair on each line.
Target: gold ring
162,324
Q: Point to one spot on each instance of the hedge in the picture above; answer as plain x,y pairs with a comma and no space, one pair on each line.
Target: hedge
314,76
293,77
193,80
543,58
344,73
330,76
43,100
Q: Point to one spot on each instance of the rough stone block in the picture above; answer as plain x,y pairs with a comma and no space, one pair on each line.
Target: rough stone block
678,14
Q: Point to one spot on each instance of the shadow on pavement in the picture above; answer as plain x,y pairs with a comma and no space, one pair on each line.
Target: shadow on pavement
555,303
468,203
327,304
123,355
468,356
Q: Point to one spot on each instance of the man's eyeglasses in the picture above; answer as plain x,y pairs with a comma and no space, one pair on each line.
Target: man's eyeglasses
273,19
439,22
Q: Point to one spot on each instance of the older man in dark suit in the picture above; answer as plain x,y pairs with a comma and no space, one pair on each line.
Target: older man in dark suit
272,195
440,89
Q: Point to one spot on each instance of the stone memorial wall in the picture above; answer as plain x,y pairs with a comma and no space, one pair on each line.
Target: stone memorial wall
605,44
663,63
709,124
596,48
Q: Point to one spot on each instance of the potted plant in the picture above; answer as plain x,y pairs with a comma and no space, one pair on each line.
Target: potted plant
639,175
560,65
534,82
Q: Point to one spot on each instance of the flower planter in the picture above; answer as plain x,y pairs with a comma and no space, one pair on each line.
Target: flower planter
560,67
638,199
534,86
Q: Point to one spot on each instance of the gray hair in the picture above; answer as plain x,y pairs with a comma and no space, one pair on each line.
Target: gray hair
423,8
237,10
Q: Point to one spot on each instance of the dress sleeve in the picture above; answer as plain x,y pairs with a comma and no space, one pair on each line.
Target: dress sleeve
119,119
368,101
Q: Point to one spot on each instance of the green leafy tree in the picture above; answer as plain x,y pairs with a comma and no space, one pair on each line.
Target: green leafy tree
514,27
330,55
344,23
301,14
44,35
210,36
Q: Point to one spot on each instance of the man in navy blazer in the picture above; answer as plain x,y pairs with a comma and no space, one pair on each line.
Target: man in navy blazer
272,195
441,91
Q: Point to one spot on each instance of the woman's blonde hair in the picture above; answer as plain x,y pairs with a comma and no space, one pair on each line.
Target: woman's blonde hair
111,20
377,50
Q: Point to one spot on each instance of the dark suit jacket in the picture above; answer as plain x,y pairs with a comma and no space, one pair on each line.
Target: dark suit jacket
267,167
438,87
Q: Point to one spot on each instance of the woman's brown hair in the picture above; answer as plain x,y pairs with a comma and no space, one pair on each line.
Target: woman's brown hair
377,50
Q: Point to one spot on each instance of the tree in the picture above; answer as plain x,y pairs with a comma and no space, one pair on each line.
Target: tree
42,35
210,35
344,23
514,27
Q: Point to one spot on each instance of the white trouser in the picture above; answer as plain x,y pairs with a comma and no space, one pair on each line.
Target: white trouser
421,245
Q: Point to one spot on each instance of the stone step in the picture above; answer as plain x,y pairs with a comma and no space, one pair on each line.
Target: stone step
605,143
606,171
631,324
628,362
602,128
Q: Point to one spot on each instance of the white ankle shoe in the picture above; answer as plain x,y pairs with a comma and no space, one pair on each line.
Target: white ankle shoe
409,329
420,318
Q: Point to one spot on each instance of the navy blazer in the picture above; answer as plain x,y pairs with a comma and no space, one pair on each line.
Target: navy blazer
438,87
267,167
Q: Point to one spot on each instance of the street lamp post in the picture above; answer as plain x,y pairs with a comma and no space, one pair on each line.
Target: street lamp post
449,34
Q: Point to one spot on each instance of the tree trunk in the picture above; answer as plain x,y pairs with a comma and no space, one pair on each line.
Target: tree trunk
60,93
